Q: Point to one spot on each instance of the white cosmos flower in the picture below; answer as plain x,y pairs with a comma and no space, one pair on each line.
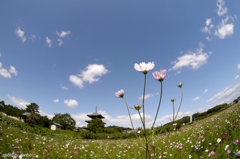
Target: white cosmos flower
144,67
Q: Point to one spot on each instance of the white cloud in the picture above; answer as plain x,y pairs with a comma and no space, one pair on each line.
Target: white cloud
196,98
19,102
49,41
63,33
227,95
208,39
206,90
147,96
7,73
221,8
56,100
192,59
76,80
63,87
43,113
208,27
224,29
13,70
20,34
71,103
238,66
236,77
33,37
60,42
90,75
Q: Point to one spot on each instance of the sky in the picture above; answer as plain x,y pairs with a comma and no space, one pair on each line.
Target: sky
71,57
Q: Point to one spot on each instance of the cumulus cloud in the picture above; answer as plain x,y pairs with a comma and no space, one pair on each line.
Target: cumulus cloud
224,29
20,34
221,8
208,27
63,33
60,42
63,87
191,59
236,77
7,73
56,100
12,70
147,96
206,90
90,75
19,102
49,41
71,103
76,80
196,98
238,66
227,95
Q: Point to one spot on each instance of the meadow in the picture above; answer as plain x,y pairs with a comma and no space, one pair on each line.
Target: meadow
217,137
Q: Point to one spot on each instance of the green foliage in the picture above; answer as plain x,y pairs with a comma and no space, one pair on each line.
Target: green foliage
169,126
96,125
211,111
32,108
65,120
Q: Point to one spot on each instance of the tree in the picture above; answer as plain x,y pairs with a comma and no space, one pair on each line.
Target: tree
33,119
32,108
65,120
96,125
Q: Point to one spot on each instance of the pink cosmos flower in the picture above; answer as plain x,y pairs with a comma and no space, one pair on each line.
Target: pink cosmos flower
120,93
160,75
211,153
143,67
228,152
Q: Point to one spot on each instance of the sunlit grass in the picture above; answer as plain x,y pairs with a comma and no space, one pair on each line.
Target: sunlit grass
214,137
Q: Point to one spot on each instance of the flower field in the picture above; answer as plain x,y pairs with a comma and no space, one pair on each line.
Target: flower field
217,136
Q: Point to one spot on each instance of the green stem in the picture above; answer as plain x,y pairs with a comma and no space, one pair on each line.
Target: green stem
173,113
144,122
179,104
140,116
159,103
129,114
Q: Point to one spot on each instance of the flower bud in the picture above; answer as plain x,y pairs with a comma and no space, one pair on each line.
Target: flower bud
180,85
137,107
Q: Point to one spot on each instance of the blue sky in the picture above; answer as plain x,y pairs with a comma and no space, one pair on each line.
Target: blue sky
69,57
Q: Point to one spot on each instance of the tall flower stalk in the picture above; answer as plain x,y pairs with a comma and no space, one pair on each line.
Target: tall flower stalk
159,76
120,94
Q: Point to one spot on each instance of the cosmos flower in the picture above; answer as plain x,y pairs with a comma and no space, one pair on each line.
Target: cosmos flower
143,67
160,75
120,93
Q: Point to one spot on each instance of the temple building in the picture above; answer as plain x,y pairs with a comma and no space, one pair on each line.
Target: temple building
94,115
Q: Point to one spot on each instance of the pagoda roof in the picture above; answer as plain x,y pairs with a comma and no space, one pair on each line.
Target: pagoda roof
93,115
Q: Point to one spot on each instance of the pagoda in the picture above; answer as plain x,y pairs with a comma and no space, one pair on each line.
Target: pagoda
94,115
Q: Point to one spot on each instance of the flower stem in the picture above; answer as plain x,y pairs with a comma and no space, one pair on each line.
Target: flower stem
173,113
158,107
129,114
144,122
179,104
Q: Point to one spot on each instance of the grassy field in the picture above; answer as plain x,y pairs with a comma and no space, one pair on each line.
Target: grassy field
216,137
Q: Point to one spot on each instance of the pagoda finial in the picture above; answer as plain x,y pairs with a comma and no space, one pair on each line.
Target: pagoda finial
96,109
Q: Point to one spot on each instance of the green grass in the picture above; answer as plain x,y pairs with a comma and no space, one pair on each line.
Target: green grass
197,140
